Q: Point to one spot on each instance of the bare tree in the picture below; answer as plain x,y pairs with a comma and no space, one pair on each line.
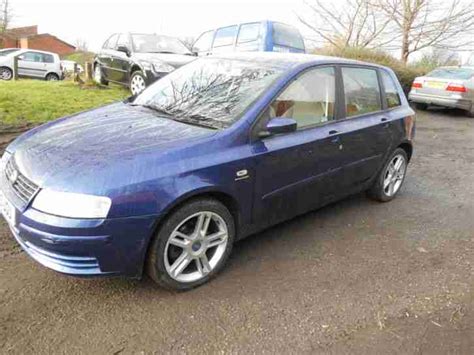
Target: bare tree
429,23
81,45
188,42
6,15
351,23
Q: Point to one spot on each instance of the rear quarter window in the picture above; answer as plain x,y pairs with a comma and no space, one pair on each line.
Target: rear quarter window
392,96
288,36
361,91
48,58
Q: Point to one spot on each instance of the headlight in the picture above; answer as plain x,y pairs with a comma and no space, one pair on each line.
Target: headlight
5,157
161,67
67,204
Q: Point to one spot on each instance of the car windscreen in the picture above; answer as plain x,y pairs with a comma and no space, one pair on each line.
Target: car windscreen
209,92
452,73
5,52
288,36
149,43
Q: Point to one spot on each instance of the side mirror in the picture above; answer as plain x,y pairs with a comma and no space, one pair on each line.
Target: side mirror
279,125
124,49
194,53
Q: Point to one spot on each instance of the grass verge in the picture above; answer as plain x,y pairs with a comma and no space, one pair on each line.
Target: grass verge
34,101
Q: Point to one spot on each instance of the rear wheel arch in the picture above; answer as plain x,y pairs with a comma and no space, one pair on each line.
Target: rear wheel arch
408,148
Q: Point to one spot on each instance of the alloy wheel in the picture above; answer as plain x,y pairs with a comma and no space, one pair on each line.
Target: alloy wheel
5,74
137,85
394,175
195,247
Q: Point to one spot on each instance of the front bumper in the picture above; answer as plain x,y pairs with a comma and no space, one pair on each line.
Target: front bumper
85,247
451,102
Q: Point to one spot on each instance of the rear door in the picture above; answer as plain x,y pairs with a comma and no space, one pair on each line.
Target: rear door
365,136
50,64
32,64
105,55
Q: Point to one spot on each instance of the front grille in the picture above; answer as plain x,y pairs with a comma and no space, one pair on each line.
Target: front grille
24,188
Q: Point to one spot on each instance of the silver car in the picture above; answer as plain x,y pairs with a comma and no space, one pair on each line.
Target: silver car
31,64
446,86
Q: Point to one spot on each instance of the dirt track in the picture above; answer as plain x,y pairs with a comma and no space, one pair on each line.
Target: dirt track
357,276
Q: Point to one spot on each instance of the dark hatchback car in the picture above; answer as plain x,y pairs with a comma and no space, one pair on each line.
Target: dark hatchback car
136,60
213,152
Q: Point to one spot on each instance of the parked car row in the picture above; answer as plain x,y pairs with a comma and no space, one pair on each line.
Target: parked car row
136,60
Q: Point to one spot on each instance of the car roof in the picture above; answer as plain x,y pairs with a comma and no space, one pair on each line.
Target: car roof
289,59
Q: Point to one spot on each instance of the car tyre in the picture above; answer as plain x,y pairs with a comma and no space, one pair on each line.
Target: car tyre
52,77
137,82
99,76
421,106
390,179
6,73
470,113
192,245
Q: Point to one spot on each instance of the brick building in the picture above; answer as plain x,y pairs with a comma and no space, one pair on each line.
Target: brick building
28,37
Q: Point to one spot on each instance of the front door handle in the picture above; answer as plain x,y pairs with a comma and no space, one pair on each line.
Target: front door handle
333,131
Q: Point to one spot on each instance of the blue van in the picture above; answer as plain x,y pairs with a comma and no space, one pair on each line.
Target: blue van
263,36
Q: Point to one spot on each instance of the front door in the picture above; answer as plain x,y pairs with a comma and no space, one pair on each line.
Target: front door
299,170
32,64
120,62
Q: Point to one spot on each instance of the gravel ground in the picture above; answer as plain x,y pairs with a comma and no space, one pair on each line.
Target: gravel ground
354,277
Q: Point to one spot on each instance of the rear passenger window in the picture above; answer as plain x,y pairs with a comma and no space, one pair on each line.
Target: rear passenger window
361,90
48,58
225,36
309,100
248,32
391,92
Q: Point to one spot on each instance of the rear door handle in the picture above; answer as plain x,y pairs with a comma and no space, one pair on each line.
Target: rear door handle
384,119
335,139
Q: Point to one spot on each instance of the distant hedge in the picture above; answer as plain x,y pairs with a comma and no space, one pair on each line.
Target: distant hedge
405,73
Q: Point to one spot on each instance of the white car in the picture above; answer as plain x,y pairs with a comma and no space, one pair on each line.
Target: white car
31,64
68,66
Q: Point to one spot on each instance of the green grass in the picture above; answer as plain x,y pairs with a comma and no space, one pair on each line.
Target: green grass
81,57
35,101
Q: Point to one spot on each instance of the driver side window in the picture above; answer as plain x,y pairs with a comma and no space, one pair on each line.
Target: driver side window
309,100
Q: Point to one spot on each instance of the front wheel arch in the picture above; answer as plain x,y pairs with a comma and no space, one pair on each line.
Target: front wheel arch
226,199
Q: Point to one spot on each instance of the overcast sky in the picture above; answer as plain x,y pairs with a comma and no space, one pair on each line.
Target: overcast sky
94,20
